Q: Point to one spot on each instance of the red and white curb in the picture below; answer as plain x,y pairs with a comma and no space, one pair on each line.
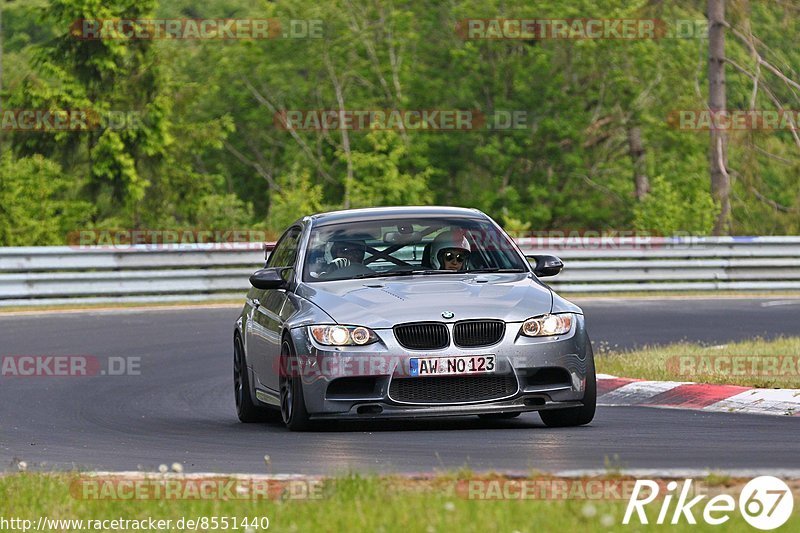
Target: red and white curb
614,391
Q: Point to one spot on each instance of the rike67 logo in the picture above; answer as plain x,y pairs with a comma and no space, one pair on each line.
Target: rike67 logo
765,503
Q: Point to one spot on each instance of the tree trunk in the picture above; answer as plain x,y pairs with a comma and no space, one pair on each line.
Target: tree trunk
337,86
636,148
1,56
718,149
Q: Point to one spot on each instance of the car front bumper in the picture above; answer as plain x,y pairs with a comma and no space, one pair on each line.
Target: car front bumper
356,382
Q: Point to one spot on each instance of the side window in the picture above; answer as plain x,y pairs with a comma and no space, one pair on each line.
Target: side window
286,250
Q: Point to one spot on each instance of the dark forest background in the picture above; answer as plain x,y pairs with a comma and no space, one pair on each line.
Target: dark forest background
597,152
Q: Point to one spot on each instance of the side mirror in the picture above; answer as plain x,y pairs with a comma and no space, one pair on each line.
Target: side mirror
546,265
268,278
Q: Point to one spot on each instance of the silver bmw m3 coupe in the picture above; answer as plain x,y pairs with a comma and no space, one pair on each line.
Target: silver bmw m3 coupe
408,312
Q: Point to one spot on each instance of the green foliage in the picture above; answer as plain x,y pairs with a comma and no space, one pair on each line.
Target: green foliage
379,175
296,197
224,211
669,210
35,208
99,76
207,151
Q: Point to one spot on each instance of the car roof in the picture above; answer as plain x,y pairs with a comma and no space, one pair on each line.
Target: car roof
380,213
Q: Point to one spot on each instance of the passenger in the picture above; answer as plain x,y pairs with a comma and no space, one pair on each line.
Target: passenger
449,251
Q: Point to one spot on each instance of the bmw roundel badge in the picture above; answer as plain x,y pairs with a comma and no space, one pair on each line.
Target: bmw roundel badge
448,314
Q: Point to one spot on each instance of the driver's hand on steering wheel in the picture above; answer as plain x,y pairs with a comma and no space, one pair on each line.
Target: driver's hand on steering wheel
339,262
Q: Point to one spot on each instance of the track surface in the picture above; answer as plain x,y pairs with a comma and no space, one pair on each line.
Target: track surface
180,409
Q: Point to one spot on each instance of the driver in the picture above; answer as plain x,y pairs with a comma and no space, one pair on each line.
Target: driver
449,251
346,253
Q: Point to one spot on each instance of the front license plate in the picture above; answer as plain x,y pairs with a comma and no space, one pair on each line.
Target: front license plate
443,366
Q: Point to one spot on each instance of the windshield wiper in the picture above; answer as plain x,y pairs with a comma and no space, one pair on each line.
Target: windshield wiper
385,274
409,272
501,270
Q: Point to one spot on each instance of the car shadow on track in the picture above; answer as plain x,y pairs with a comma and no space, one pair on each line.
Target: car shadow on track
466,423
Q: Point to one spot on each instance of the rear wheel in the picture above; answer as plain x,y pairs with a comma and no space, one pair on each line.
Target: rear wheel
246,409
293,405
576,416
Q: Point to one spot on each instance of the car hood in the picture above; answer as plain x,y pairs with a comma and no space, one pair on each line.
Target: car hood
382,303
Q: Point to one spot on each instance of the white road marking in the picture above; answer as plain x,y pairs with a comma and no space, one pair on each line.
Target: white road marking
774,303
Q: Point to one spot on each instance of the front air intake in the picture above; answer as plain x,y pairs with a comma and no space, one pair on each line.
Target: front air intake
452,389
475,333
422,336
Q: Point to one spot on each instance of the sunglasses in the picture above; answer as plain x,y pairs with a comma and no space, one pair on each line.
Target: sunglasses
452,256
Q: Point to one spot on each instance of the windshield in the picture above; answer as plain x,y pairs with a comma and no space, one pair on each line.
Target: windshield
408,246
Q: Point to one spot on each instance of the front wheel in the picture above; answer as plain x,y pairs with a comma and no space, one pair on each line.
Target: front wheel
293,405
576,416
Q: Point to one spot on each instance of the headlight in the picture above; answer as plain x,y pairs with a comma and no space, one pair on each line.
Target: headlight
547,325
343,335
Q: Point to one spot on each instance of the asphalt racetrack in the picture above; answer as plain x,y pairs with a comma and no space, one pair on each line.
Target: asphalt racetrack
180,408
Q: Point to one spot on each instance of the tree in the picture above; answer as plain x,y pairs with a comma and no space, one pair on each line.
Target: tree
36,206
717,102
100,76
593,142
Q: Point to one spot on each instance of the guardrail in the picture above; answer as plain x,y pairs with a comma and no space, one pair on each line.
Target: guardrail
673,263
55,275
61,274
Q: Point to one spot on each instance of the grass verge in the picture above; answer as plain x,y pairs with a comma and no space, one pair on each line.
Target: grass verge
754,363
366,503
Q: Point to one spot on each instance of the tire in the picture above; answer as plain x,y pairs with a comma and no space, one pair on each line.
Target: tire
576,416
499,416
246,410
293,404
